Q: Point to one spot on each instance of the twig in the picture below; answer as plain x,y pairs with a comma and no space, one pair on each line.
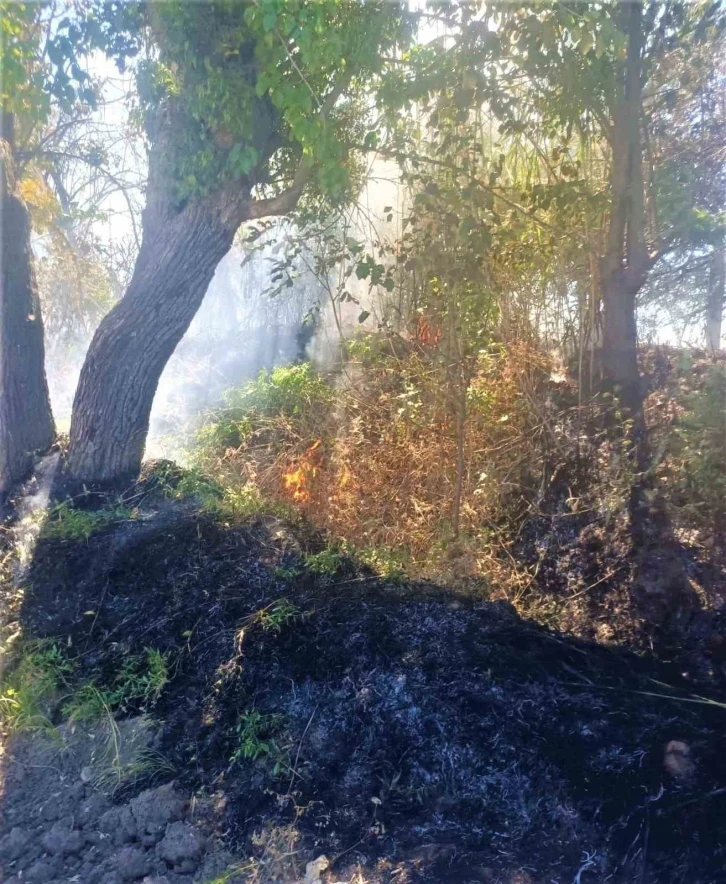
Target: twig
299,747
596,583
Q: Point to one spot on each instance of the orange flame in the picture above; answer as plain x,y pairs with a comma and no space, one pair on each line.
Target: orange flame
297,479
427,333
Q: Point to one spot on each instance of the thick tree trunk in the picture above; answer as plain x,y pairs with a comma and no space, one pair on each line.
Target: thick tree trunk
180,250
128,353
716,299
26,422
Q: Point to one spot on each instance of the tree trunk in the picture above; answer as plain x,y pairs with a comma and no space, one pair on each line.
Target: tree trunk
180,249
716,299
26,422
626,262
620,340
133,343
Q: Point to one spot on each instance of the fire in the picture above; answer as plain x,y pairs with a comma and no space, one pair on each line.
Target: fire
297,479
427,333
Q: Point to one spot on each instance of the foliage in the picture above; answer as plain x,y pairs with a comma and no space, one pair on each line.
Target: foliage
31,688
698,445
277,615
381,487
66,522
257,739
326,562
295,395
177,483
138,684
391,564
236,72
44,677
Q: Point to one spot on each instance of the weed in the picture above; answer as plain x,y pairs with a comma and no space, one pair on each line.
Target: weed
278,614
257,734
290,390
246,502
87,705
699,445
327,562
287,574
292,393
65,522
178,483
140,683
30,690
145,765
386,562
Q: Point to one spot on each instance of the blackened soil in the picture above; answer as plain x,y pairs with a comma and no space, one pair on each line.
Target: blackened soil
422,735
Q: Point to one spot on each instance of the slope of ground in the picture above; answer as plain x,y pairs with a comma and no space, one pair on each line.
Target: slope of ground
404,732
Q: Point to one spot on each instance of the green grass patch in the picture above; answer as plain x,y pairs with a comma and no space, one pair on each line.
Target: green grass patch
31,688
139,683
277,615
44,680
65,522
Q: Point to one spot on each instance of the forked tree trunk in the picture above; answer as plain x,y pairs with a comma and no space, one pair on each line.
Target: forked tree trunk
716,299
133,343
26,422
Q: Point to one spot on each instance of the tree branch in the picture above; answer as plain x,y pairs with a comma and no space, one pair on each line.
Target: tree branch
287,200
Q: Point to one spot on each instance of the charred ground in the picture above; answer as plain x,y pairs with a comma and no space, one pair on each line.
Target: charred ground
402,730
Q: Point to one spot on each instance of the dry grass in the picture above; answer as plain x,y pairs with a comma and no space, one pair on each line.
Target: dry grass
376,467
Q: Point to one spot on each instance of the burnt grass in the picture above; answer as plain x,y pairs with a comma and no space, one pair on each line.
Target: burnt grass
424,734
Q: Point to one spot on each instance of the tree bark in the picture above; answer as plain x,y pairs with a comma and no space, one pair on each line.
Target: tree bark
133,343
26,422
626,263
180,249
716,299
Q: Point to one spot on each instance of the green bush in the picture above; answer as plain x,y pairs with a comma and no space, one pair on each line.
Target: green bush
296,394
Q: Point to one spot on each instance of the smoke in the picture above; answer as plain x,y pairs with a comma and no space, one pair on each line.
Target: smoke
239,330
253,317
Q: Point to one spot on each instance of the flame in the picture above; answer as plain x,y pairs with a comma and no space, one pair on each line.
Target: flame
297,479
427,333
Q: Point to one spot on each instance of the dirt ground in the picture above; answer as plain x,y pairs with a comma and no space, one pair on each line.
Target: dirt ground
404,732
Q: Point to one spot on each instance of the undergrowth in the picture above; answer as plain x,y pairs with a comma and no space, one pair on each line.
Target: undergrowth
698,449
373,457
139,684
369,456
257,738
43,684
31,688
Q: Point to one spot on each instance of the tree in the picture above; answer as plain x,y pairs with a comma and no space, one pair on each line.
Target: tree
716,298
613,72
26,423
42,77
247,105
